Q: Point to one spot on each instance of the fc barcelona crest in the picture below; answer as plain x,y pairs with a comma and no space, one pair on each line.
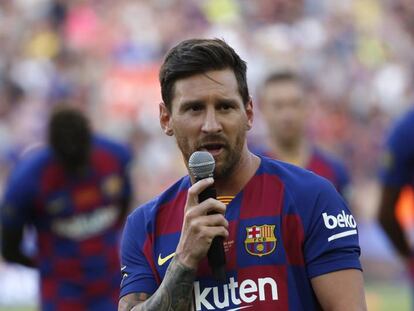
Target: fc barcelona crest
260,240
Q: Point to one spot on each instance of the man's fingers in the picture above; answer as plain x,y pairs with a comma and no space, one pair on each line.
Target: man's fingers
196,189
212,206
217,231
213,220
209,206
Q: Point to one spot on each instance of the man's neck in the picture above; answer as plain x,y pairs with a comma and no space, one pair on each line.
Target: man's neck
240,176
297,153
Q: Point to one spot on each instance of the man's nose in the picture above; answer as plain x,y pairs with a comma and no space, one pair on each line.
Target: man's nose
211,123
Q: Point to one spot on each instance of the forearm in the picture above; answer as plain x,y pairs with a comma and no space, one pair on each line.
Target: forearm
397,236
11,240
18,257
341,290
198,230
175,292
389,222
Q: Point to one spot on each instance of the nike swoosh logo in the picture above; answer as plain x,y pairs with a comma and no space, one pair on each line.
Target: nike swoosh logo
162,261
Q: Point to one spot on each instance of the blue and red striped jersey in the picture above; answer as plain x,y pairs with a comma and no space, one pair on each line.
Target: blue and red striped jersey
78,225
398,163
286,226
323,164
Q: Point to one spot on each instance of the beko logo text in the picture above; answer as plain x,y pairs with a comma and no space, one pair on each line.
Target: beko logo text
233,294
342,220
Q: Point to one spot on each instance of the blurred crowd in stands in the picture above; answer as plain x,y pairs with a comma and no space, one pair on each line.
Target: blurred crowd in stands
104,56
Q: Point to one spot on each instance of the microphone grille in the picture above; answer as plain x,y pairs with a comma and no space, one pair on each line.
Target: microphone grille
201,164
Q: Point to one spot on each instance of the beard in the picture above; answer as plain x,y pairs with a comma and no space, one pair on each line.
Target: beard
227,160
226,166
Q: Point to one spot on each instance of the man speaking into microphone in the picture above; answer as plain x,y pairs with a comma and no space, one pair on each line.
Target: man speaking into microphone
289,242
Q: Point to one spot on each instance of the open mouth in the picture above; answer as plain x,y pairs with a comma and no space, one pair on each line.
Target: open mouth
213,148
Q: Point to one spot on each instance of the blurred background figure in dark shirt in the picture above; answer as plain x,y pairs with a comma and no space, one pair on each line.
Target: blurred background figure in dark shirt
75,192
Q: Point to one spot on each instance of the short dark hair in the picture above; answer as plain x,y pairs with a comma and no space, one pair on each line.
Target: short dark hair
283,76
69,136
195,56
280,76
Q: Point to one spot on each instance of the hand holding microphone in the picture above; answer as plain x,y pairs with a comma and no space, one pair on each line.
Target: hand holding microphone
204,225
202,166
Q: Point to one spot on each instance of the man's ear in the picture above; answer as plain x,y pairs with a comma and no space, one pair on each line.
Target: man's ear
249,114
165,120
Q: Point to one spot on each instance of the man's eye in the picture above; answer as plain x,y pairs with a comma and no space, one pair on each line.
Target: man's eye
225,106
195,108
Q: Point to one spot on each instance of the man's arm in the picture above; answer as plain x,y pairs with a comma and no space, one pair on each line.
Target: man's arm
340,291
175,292
131,300
389,222
11,240
198,230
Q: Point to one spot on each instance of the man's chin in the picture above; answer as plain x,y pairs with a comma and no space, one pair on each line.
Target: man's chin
223,170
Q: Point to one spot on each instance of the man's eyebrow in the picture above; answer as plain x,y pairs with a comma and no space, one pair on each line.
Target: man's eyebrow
189,103
228,101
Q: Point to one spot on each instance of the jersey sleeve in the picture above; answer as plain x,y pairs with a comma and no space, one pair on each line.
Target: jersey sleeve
331,240
137,275
17,205
398,160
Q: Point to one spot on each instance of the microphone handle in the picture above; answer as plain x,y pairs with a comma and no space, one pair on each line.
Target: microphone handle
217,259
216,256
207,193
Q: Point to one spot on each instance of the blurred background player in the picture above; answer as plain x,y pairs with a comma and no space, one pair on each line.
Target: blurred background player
397,172
75,192
285,110
397,184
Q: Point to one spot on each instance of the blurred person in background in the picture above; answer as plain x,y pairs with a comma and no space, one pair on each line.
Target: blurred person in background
398,173
290,241
285,109
75,192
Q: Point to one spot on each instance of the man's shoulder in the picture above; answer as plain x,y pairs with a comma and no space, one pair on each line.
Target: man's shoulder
290,175
144,210
400,141
408,117
329,159
28,171
112,146
260,149
403,124
33,160
305,192
281,168
149,209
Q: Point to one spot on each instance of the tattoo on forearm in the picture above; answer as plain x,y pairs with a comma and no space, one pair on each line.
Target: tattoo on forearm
131,300
175,292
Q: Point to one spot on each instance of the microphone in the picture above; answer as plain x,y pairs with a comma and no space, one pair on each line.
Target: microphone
201,165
